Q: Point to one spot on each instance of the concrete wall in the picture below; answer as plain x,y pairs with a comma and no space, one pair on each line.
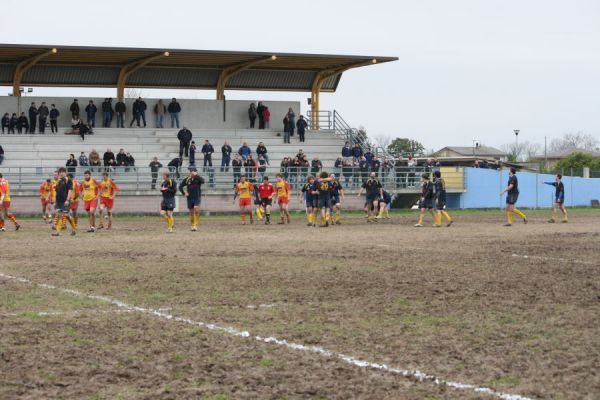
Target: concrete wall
484,185
207,114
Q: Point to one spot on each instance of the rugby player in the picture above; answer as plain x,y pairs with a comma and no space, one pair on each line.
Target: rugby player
440,198
512,195
337,195
258,209
384,203
64,192
168,188
5,204
90,189
283,195
46,198
193,183
324,187
374,192
310,198
74,201
266,192
426,201
108,190
244,189
559,199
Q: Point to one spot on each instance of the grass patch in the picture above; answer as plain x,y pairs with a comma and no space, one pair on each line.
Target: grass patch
506,381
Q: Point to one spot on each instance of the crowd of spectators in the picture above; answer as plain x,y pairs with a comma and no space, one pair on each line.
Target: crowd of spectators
108,162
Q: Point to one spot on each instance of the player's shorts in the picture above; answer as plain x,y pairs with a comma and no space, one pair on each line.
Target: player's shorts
193,202
90,204
5,205
61,206
324,202
107,202
426,203
559,200
74,205
440,204
372,197
45,202
335,199
168,204
244,202
266,202
282,200
511,198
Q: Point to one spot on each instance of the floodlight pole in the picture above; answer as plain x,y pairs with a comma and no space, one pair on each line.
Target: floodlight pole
516,131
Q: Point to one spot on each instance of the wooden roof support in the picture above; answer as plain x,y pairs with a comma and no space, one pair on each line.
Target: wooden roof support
24,65
130,68
232,70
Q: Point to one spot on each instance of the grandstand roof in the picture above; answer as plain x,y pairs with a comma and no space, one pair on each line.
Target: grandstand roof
72,66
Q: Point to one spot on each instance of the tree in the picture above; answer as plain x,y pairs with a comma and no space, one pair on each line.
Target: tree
578,161
382,141
573,141
524,151
403,146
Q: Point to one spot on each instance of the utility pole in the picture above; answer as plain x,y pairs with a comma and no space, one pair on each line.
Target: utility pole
516,131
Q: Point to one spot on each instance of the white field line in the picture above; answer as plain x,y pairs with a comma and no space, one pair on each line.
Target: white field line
66,313
544,258
414,374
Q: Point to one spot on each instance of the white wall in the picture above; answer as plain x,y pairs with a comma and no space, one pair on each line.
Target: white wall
206,114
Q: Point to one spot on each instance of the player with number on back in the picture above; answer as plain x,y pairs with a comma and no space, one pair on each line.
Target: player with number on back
512,195
168,188
108,190
193,183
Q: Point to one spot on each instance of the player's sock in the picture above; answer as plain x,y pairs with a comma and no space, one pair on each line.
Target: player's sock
1,223
71,222
192,219
565,218
420,219
171,222
446,215
386,212
259,213
59,224
165,218
75,220
380,214
338,215
55,220
509,217
243,215
268,217
13,219
197,215
309,218
519,213
64,220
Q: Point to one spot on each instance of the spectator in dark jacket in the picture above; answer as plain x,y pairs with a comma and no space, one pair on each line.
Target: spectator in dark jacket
259,110
301,125
207,150
121,158
286,129
120,109
43,113
90,112
107,112
185,137
175,166
225,157
130,161
1,155
357,152
74,109
22,123
71,164
174,110
154,165
375,165
33,113
13,123
315,166
160,110
192,160
369,156
54,114
83,160
252,114
261,150
108,157
291,121
245,151
5,122
347,151
236,165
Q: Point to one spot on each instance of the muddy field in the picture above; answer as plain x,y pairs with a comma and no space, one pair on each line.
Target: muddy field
513,309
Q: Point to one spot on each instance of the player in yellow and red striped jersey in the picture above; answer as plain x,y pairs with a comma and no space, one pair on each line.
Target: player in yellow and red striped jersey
74,201
89,191
282,188
46,191
244,189
5,204
108,190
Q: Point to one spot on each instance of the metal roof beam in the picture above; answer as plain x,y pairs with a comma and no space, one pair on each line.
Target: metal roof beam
130,68
24,65
232,70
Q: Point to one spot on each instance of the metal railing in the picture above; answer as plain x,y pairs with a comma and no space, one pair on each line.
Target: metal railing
140,179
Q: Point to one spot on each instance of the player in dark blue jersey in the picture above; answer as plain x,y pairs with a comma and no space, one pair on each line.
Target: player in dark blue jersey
168,189
512,194
323,186
384,205
308,196
426,201
337,195
191,188
440,198
559,199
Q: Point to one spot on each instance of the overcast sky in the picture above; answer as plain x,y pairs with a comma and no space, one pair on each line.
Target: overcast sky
467,69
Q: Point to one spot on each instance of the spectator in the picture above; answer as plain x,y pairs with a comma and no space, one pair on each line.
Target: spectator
369,156
347,151
121,158
90,112
142,110
283,167
54,114
74,109
363,166
14,123
120,109
5,122
337,165
300,155
108,157
245,151
347,171
315,166
301,125
129,161
225,157
236,165
71,164
259,110
154,165
33,113
160,110
185,137
135,114
107,112
83,160
357,152
375,165
252,114
286,129
43,117
250,166
411,162
174,110
78,128
175,166
1,154
23,123
94,158
266,117
207,150
261,150
291,121
262,167
192,160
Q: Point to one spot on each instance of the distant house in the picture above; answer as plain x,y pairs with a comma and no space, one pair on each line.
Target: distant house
483,152
553,158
